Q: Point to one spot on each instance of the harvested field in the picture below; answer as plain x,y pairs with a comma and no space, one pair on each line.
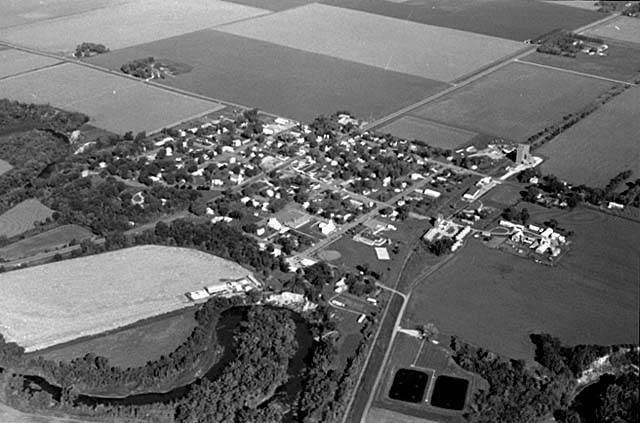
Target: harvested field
280,80
132,346
515,101
129,23
45,241
622,62
113,103
23,217
375,40
600,146
434,134
4,166
495,299
13,62
90,295
623,29
19,12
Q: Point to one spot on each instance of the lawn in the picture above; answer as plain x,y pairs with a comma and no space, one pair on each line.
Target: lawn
117,104
622,62
13,62
515,101
623,29
132,22
46,241
23,217
4,166
94,294
600,146
495,300
276,79
376,40
133,346
434,134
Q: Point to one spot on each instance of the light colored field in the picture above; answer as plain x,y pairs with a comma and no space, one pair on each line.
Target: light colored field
48,240
20,12
392,44
515,101
600,146
624,29
434,134
4,167
113,103
23,217
54,303
14,61
127,24
11,415
580,4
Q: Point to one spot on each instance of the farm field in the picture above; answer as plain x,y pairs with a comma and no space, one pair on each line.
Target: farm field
387,43
133,346
515,101
113,103
94,294
4,166
13,62
496,300
581,4
623,29
8,414
23,217
129,23
622,62
607,142
48,240
19,12
434,134
276,79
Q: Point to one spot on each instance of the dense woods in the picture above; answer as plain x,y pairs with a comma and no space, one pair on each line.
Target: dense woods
16,116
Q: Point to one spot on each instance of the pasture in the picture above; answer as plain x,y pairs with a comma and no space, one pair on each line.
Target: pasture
62,301
375,40
132,22
435,134
46,241
496,300
622,29
276,79
515,101
4,166
600,146
132,346
23,217
114,103
13,62
622,62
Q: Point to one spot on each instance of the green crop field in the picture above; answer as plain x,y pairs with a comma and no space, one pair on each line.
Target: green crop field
114,103
131,22
600,146
376,40
495,299
13,62
45,241
23,217
514,102
276,79
437,135
58,302
623,29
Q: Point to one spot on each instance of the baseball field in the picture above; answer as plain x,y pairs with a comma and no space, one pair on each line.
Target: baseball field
23,217
55,303
13,62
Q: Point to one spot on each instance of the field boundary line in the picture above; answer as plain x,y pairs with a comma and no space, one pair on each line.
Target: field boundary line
588,75
415,360
4,78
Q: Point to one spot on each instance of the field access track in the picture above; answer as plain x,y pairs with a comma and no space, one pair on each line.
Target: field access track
13,62
117,104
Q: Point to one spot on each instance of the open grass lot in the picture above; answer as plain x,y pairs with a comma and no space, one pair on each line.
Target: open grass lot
11,415
622,62
133,346
48,240
19,12
495,299
23,217
281,80
376,40
623,29
435,134
90,295
132,22
515,101
600,146
113,103
14,61
4,166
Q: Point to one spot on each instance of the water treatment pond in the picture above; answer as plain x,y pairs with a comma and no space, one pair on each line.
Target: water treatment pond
409,385
449,392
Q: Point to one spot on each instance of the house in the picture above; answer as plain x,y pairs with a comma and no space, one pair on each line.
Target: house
431,193
327,228
138,199
382,253
274,224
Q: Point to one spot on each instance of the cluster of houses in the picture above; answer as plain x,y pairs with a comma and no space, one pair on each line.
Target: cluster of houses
539,240
446,228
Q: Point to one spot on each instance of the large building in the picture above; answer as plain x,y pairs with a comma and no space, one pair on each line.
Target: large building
523,154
